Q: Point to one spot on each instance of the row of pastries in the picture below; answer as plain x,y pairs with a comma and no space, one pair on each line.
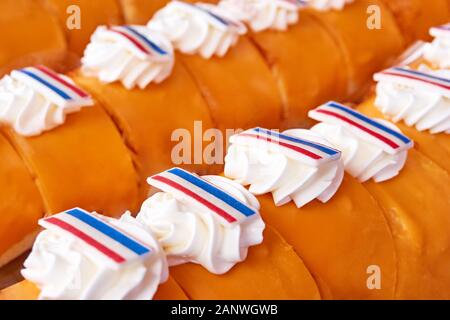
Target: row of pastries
312,231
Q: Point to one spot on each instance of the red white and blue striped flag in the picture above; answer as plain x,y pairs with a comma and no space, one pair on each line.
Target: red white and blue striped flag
144,46
389,140
311,153
96,234
438,84
204,195
46,81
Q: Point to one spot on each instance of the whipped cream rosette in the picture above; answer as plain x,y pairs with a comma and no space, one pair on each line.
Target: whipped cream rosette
371,148
82,255
421,98
297,165
438,51
199,28
261,15
324,5
133,55
37,99
209,220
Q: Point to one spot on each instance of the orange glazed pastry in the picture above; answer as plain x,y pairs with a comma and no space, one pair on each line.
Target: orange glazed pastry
30,34
290,43
152,101
212,222
20,204
303,80
81,255
342,240
68,142
228,69
273,271
366,47
406,185
26,290
79,18
415,17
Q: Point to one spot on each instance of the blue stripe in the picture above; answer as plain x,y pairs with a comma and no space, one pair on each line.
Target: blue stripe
245,210
47,84
418,73
146,40
360,116
108,231
322,148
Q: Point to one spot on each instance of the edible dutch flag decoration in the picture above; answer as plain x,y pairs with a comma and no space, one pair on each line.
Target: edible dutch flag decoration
98,235
217,18
389,140
308,152
417,79
59,89
441,31
414,52
184,185
142,45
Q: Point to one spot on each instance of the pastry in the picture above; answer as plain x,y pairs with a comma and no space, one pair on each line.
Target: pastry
20,205
36,36
70,146
212,233
147,97
332,222
227,68
290,42
415,17
87,14
375,152
366,47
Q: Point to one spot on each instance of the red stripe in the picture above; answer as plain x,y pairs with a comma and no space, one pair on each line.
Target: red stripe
195,196
416,78
373,133
54,76
86,238
286,145
134,41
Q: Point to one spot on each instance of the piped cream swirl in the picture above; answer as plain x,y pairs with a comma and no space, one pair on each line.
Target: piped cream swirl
63,268
203,29
362,159
30,107
438,51
188,234
417,106
133,55
267,170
